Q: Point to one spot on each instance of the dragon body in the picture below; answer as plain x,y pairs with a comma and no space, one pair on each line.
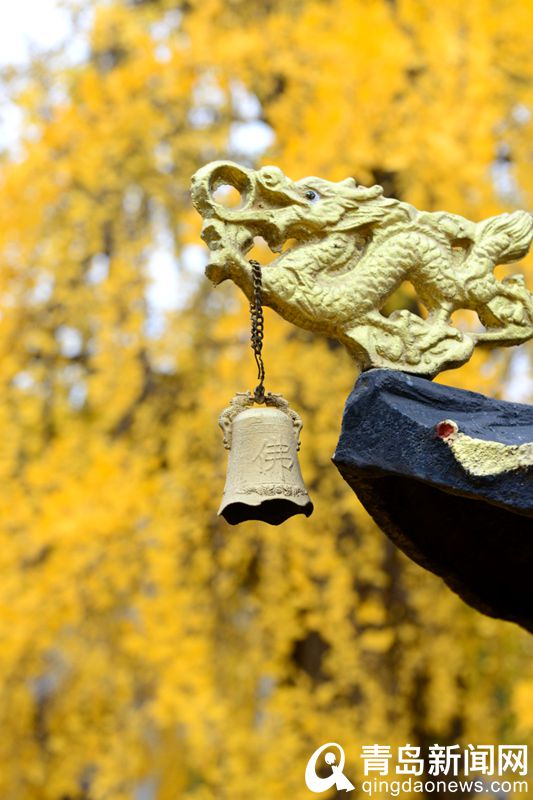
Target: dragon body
352,248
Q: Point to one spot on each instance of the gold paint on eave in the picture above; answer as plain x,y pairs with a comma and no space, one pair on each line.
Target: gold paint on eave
482,458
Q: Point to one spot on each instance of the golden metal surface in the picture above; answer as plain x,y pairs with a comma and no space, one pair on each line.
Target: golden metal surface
353,248
264,480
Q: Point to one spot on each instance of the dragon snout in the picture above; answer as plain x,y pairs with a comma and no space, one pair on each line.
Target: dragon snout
276,188
208,179
271,177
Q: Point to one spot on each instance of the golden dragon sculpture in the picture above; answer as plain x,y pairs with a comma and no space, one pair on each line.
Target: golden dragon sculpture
353,248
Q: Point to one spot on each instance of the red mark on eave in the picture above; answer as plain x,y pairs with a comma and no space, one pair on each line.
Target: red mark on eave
444,429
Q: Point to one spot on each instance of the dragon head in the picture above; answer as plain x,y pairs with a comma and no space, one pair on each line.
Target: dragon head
275,208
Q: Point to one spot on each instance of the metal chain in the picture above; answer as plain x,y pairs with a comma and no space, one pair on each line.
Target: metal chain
256,314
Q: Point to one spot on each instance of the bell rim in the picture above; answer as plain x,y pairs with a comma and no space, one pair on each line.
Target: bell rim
234,511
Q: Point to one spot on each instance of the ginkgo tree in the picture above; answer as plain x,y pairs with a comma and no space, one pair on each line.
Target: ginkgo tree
149,651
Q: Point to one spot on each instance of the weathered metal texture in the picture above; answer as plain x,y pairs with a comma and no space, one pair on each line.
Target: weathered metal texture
353,248
264,481
465,519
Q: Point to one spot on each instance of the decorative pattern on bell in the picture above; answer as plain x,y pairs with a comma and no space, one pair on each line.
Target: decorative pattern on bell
264,481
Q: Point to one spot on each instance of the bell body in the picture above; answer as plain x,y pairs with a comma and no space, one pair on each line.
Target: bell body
264,481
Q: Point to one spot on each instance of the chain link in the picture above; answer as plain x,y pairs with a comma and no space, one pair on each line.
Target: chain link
256,314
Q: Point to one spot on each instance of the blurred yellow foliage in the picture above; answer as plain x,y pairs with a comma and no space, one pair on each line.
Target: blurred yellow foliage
148,650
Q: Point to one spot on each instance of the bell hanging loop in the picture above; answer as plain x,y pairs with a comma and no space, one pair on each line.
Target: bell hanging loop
264,481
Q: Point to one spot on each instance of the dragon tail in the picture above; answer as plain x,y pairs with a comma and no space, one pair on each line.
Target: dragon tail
510,234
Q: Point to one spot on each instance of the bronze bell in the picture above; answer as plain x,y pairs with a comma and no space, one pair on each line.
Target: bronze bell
264,481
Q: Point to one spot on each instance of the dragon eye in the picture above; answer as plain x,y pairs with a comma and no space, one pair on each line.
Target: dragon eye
312,195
